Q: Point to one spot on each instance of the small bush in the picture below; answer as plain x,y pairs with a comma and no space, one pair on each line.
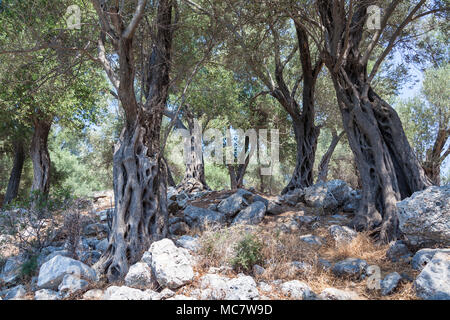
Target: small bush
72,229
29,267
248,253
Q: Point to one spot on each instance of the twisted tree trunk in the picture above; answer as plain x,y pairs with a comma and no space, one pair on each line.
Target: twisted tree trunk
324,163
433,162
388,167
140,174
16,172
40,156
237,172
194,176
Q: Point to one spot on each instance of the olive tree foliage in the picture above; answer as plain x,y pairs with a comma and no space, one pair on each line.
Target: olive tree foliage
427,121
45,84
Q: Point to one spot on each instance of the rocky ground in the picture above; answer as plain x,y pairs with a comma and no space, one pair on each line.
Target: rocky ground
248,246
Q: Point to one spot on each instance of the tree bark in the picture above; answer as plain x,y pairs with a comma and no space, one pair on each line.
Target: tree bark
388,167
433,162
194,177
170,179
40,156
237,172
324,163
140,175
16,173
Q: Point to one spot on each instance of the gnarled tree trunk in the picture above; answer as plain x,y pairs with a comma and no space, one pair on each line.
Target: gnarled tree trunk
324,163
388,167
194,176
140,175
40,157
16,173
433,162
237,172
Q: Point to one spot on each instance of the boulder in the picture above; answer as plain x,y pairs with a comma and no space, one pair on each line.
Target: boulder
274,208
125,293
189,243
139,275
293,197
199,218
102,245
258,270
242,288
390,283
398,251
328,195
297,290
311,239
46,294
52,272
351,267
93,294
424,218
433,283
214,287
235,203
11,270
253,214
337,294
171,266
179,228
423,256
95,229
71,284
15,293
342,234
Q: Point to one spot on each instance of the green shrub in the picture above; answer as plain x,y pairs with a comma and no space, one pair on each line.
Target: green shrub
29,267
247,253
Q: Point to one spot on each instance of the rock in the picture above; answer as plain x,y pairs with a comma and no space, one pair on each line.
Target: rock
235,203
398,251
293,197
215,287
423,256
199,218
342,234
311,239
390,283
125,293
71,284
172,193
139,275
49,257
353,202
90,257
95,229
256,197
274,208
433,283
15,293
306,220
351,267
328,195
424,218
179,228
336,294
171,266
102,245
188,242
46,294
324,264
302,266
52,272
165,294
94,294
180,297
265,287
253,214
213,207
242,288
297,290
258,270
11,270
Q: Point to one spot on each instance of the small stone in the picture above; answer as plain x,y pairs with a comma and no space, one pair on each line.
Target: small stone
71,284
94,294
336,294
350,267
390,283
139,275
297,290
311,239
46,294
